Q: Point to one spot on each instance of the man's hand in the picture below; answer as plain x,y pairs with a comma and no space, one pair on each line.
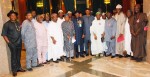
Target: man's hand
95,37
112,37
120,35
54,41
83,36
68,37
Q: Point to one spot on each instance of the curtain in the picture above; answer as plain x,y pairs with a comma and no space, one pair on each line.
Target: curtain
69,5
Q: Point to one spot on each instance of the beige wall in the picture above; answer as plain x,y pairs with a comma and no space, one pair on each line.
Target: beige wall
5,7
146,8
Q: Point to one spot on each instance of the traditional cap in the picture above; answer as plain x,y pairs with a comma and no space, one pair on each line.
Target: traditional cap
69,12
12,12
119,6
60,11
98,13
103,13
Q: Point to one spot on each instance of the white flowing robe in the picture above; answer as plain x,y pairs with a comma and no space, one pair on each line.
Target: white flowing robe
97,46
121,19
46,24
56,50
127,38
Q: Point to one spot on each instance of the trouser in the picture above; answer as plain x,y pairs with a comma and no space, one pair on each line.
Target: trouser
78,49
119,48
15,57
86,44
111,48
31,57
42,50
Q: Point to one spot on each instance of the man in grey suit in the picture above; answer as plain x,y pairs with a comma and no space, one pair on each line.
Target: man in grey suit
29,38
110,33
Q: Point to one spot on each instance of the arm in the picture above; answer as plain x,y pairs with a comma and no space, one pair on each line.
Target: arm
123,24
114,29
5,32
23,30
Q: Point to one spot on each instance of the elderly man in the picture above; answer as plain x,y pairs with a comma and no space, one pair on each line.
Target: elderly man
61,16
70,15
110,35
138,40
97,35
55,35
121,19
11,33
68,32
41,39
87,19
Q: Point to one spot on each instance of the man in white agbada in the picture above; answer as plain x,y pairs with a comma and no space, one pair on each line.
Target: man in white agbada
127,46
55,35
46,24
61,16
121,19
97,30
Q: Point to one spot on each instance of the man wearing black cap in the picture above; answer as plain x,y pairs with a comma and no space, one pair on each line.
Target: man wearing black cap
11,33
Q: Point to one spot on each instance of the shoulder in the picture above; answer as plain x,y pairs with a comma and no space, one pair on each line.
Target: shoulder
113,19
7,23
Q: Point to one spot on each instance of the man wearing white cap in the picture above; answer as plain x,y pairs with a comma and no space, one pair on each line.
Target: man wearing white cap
70,14
60,16
121,19
97,30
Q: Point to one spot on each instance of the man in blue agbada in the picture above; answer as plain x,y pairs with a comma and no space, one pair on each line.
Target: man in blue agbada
78,26
87,19
110,33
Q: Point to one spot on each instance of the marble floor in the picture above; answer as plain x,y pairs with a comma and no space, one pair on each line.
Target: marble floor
90,66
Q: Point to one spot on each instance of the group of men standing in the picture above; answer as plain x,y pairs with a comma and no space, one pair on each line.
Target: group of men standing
45,40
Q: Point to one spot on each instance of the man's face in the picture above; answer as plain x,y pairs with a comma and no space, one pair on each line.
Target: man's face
61,14
108,15
128,14
70,14
98,16
29,16
13,17
87,12
54,17
47,18
137,9
67,18
104,16
118,10
39,18
33,13
77,15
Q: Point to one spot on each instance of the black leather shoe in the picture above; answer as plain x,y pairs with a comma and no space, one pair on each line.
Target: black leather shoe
82,56
120,56
56,61
40,65
139,60
21,70
14,74
29,69
113,56
133,58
